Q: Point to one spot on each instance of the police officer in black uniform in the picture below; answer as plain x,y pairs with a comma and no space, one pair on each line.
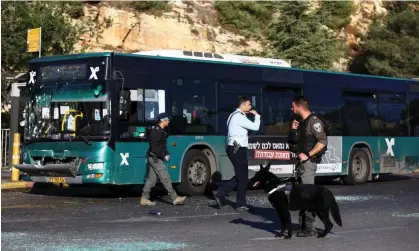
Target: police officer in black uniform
157,156
309,140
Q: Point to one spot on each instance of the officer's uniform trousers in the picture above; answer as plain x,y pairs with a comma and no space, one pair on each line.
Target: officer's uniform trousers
158,171
240,180
309,174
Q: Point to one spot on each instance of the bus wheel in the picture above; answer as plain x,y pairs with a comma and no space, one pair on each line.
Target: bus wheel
196,172
359,167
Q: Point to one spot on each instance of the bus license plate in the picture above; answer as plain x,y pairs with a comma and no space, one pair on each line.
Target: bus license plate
56,179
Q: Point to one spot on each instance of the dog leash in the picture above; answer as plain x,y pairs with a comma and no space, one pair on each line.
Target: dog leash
277,188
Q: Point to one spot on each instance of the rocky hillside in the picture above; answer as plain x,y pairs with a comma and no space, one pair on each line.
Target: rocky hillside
195,25
361,36
186,25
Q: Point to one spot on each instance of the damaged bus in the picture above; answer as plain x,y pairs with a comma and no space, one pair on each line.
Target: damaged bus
87,115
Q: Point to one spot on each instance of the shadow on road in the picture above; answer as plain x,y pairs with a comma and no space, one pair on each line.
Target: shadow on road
95,191
271,222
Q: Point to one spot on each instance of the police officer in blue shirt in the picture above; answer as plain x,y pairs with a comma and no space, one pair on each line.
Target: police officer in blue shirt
237,142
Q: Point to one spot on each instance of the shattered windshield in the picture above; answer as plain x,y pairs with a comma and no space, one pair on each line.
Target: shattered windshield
70,112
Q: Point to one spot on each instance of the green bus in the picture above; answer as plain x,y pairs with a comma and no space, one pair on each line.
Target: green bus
87,114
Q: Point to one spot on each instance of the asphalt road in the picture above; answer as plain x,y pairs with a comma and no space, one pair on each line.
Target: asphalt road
377,216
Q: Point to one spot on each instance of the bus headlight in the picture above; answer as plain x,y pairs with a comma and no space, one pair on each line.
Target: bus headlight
95,166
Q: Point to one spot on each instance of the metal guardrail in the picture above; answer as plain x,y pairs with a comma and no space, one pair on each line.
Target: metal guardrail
4,147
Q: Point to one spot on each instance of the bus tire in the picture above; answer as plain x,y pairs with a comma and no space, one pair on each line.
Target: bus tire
359,167
196,173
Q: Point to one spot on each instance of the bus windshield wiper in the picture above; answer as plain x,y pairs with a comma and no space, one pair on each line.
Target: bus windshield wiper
85,140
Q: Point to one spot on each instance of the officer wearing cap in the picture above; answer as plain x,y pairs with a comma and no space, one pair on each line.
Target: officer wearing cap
238,126
157,154
309,136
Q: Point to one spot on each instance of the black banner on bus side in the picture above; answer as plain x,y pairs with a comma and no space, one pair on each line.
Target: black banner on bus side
274,149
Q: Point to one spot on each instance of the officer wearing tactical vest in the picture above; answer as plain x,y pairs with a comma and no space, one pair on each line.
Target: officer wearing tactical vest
157,155
238,126
309,140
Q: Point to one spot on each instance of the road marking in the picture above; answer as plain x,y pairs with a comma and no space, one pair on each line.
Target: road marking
365,197
413,215
171,218
63,203
66,204
334,234
265,239
368,230
44,219
330,235
22,206
205,215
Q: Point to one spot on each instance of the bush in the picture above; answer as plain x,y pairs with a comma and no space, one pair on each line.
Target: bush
298,36
390,47
75,10
335,14
58,33
151,7
250,18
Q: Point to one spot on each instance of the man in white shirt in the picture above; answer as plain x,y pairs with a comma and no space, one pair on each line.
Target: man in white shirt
237,142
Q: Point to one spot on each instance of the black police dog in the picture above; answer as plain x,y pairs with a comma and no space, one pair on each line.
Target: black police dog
303,197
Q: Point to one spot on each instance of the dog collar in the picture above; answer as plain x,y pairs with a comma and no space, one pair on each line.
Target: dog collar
276,188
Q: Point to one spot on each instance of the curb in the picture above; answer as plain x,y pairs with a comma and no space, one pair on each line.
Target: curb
16,185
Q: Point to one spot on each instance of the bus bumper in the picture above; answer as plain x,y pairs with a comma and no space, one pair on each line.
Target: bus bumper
57,173
65,170
65,180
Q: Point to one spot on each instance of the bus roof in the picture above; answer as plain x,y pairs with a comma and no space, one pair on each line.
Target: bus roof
218,57
152,54
70,56
171,55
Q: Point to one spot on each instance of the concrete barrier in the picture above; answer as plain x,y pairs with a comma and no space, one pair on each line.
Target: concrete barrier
16,185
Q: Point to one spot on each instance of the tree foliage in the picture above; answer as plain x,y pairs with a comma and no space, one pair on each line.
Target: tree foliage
292,32
152,7
335,14
299,36
249,17
392,44
59,35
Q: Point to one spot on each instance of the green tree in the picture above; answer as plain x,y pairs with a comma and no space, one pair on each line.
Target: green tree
248,17
153,7
391,46
58,34
335,14
299,36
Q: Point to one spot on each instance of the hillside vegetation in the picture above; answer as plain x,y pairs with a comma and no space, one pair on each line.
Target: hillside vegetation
292,30
311,34
391,47
307,34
